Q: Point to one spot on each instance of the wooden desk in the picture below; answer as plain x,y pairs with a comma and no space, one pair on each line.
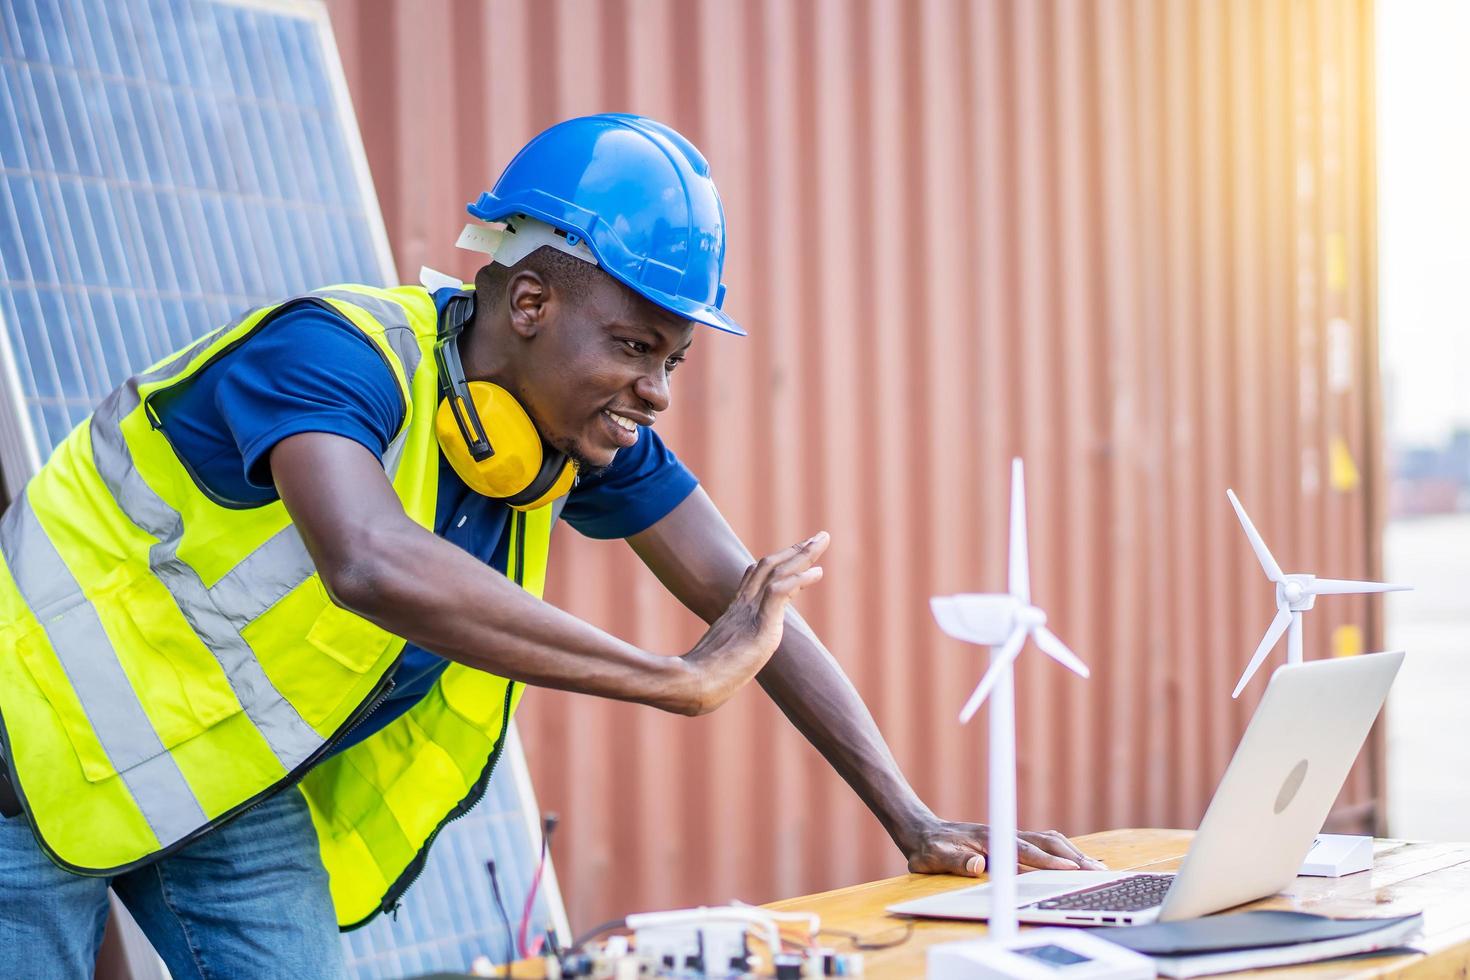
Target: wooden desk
1406,877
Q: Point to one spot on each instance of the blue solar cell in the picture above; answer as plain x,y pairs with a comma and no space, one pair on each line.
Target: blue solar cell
201,135
13,264
58,228
34,336
104,42
82,42
29,33
10,311
94,125
81,147
75,317
171,52
12,145
38,152
30,228
130,234
145,38
80,234
53,117
114,348
177,326
171,138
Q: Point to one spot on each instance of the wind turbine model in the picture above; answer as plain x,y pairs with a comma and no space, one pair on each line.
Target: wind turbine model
1295,594
1332,855
1003,622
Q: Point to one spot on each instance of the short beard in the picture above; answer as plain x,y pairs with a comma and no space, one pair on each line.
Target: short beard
586,469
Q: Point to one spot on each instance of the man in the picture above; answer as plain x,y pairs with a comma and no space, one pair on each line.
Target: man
251,654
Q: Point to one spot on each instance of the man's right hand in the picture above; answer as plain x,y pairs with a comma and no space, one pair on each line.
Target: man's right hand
738,644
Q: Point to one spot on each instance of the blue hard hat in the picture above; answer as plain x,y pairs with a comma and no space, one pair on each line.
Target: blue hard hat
640,196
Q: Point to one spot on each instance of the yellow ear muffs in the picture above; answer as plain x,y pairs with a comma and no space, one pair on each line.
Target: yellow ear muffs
518,469
486,435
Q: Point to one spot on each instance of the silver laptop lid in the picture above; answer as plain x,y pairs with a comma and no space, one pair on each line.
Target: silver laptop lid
1281,784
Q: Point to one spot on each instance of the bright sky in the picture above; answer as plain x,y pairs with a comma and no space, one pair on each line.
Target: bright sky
1424,215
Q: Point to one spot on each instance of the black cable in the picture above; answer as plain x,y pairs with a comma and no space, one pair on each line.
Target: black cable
867,943
594,932
510,936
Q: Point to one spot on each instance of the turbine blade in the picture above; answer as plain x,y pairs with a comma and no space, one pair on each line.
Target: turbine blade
1058,651
1273,635
1000,662
1339,586
1020,577
1263,554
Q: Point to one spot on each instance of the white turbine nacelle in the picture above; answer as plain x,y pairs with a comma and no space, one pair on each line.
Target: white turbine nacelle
1295,594
1005,619
987,619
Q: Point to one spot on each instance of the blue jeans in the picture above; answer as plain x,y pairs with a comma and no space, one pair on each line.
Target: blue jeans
248,899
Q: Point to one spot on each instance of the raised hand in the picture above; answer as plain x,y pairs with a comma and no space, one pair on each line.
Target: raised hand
738,644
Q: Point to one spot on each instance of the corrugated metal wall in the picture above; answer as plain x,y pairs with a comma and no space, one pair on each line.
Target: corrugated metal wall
1132,242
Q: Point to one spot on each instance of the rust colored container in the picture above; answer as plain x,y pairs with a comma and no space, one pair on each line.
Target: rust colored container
1131,242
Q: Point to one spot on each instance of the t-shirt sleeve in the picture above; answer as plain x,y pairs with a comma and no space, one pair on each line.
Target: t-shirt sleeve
309,370
644,483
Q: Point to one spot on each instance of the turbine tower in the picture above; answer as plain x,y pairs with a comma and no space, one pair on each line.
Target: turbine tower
1003,622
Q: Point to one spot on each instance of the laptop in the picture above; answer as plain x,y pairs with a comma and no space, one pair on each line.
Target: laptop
1266,813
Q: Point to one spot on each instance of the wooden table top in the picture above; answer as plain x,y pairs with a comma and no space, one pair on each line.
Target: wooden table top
1407,877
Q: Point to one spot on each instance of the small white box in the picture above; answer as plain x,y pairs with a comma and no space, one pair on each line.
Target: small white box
1335,855
1039,954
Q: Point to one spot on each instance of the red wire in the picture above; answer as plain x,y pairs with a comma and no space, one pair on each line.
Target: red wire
530,901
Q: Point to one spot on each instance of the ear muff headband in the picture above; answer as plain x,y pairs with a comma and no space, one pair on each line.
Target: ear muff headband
517,467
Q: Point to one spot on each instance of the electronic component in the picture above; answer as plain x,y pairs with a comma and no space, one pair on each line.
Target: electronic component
708,942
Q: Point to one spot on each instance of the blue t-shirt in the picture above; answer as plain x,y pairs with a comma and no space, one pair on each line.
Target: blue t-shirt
310,370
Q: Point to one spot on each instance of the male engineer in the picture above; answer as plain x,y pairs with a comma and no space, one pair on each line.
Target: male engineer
266,614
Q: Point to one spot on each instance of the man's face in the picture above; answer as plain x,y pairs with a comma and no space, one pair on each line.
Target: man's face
599,367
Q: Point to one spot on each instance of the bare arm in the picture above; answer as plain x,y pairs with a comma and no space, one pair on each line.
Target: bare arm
378,563
699,558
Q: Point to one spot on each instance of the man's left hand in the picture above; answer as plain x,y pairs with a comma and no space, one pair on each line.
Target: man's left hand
946,847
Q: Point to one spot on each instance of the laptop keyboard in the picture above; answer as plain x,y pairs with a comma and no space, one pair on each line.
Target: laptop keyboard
1132,894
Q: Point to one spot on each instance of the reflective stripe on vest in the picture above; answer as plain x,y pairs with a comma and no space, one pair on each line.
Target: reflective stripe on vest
86,655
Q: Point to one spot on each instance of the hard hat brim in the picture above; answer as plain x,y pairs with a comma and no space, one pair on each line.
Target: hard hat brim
488,208
682,307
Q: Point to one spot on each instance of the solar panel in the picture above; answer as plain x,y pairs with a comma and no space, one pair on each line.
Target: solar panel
164,166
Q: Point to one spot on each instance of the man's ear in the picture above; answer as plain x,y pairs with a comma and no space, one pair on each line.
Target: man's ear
529,301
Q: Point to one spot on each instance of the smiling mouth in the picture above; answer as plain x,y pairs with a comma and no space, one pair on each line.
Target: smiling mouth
622,421
622,431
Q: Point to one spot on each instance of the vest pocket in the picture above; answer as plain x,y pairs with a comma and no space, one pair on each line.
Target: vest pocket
53,686
347,638
320,657
100,705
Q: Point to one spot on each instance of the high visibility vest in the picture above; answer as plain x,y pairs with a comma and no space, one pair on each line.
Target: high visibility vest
169,659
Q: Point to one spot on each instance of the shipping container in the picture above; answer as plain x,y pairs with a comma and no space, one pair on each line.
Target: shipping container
1131,242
